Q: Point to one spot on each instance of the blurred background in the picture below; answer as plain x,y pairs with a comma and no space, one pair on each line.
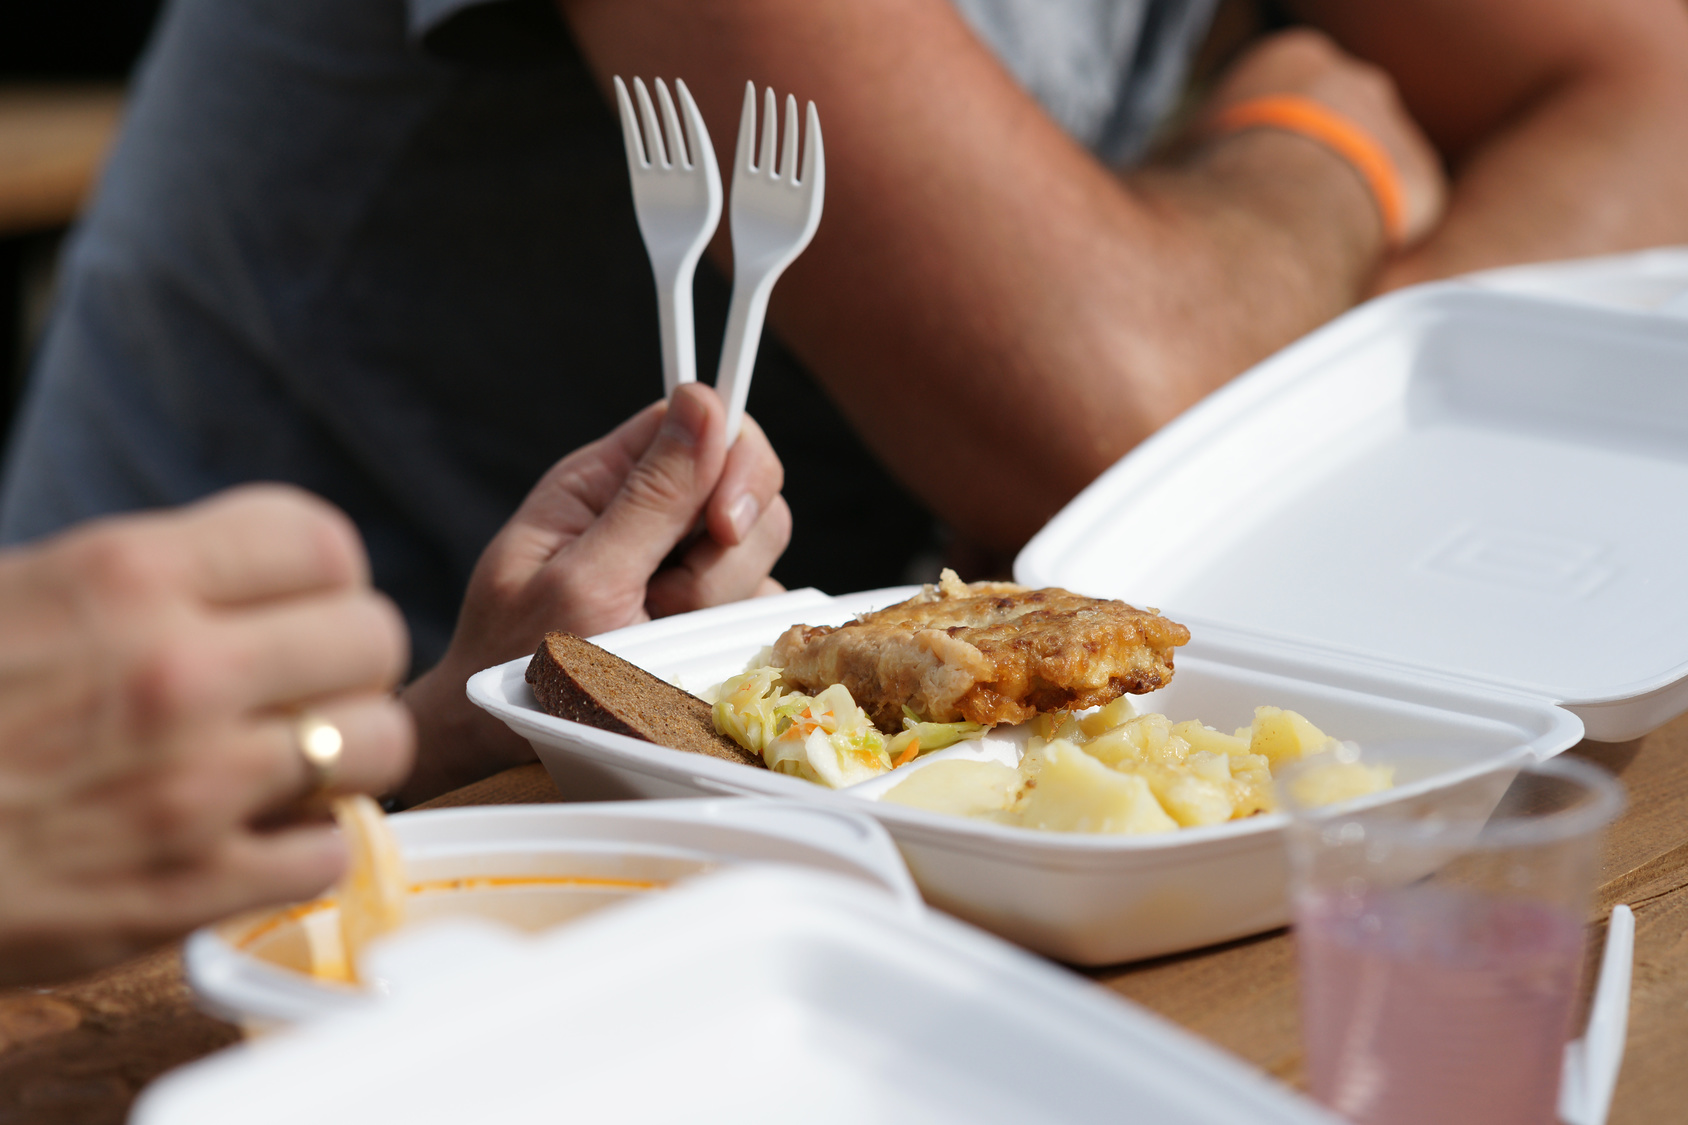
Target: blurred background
63,65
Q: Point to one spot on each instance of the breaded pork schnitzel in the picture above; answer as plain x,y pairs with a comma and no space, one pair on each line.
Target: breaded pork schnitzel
989,652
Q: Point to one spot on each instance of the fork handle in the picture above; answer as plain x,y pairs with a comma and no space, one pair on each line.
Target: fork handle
674,312
745,315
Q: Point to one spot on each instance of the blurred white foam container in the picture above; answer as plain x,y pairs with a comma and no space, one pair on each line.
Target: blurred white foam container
547,865
746,997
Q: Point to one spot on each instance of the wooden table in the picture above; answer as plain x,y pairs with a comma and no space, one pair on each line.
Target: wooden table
53,138
79,1053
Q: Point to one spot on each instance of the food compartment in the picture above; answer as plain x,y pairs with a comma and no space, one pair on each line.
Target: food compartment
524,890
1084,898
528,868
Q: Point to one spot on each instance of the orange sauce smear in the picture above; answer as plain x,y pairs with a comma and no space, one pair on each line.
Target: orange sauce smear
281,918
437,886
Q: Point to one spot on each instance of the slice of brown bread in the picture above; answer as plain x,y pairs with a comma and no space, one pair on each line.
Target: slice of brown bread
575,679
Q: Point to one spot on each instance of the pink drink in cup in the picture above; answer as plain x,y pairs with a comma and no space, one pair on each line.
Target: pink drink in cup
1440,939
1436,1005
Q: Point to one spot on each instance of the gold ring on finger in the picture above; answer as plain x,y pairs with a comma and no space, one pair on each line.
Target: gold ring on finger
320,745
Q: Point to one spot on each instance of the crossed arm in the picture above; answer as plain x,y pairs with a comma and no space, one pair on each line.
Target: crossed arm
1564,124
1002,317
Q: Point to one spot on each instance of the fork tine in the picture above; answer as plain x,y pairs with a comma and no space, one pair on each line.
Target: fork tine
814,158
629,127
770,131
671,127
653,135
746,132
788,159
698,145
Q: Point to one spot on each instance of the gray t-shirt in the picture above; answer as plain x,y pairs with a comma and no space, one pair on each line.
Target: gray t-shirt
386,250
1108,71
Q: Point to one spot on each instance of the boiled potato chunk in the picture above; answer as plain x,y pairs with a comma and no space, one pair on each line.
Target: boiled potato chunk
1191,800
1340,781
1283,736
1108,717
1209,766
1076,793
958,788
1252,775
1208,739
1146,738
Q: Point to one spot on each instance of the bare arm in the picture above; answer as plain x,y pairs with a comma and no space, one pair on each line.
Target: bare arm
1565,122
1000,315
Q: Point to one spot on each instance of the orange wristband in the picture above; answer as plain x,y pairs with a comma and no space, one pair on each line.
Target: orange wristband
1319,122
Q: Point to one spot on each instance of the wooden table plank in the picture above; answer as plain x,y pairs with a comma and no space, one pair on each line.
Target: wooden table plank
524,785
53,139
79,1053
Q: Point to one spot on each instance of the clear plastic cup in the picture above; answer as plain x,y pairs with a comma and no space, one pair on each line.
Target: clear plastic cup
1439,930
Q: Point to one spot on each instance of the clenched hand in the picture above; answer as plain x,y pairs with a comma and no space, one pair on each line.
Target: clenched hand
151,671
589,551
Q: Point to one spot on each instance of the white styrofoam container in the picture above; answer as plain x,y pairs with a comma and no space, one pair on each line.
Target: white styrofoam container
1451,516
649,841
1645,281
744,997
1084,898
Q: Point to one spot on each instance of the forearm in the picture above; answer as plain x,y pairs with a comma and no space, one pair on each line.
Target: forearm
1597,166
999,315
1563,122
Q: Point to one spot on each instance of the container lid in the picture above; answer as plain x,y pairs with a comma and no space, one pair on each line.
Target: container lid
1649,280
751,996
1479,484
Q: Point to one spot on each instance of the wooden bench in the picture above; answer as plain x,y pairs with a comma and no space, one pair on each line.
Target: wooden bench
53,139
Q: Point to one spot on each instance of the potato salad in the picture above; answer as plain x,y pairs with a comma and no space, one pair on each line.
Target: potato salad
1107,770
1115,771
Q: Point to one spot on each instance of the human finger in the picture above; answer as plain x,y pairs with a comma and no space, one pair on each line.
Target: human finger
753,476
580,486
634,436
250,545
267,541
266,770
247,869
662,497
274,655
306,650
234,774
714,574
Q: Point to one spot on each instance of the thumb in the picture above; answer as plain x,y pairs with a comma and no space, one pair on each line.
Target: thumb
659,503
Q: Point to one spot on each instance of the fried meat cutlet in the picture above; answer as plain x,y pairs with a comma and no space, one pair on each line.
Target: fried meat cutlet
577,680
989,652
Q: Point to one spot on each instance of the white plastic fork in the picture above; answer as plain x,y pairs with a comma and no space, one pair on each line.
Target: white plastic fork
1590,1070
677,198
775,213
